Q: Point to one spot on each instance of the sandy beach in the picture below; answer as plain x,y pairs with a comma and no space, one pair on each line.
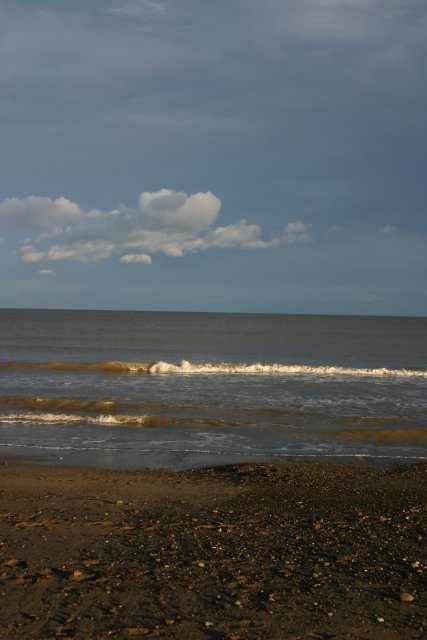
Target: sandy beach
235,553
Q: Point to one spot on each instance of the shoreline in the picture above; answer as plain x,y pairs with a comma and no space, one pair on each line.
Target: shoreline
181,460
236,552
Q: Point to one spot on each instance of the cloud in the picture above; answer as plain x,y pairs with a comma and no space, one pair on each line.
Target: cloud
388,230
241,234
296,232
175,208
141,258
166,221
140,9
46,272
80,251
39,213
30,254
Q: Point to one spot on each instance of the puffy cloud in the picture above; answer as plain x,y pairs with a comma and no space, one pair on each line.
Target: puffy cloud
240,234
141,258
167,207
166,221
35,212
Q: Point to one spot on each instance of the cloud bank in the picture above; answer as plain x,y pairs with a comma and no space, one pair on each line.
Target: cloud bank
165,221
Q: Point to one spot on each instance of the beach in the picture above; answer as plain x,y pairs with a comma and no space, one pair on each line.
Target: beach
309,550
211,476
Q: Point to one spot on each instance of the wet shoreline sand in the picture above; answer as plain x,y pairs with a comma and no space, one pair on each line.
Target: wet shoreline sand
307,550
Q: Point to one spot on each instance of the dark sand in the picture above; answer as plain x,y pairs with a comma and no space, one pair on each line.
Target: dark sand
292,551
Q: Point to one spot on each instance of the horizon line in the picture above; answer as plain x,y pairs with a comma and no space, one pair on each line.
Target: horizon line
255,313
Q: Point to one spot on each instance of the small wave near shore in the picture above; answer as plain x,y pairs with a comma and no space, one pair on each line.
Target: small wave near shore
190,368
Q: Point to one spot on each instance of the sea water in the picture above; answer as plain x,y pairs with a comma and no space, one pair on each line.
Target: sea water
176,390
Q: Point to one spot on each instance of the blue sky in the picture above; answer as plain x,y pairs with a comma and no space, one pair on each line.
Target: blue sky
239,155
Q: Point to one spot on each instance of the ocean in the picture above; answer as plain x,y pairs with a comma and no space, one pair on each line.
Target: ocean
133,390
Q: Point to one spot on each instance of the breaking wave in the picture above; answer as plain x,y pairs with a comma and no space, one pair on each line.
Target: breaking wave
189,368
79,405
110,420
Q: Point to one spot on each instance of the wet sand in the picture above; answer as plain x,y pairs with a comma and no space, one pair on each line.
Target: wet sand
294,551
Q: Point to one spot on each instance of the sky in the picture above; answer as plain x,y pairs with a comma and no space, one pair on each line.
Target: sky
214,155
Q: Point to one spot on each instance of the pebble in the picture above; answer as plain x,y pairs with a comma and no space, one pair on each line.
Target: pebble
80,576
380,619
406,597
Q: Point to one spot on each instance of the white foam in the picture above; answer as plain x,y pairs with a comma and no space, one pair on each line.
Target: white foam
187,368
64,418
257,368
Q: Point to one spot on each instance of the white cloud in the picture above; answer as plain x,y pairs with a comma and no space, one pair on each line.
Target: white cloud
140,9
30,254
240,234
80,251
166,221
296,232
175,208
35,212
388,230
141,258
171,243
46,272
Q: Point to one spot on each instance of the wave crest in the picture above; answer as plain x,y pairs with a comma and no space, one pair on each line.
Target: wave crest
142,420
257,368
186,367
67,418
